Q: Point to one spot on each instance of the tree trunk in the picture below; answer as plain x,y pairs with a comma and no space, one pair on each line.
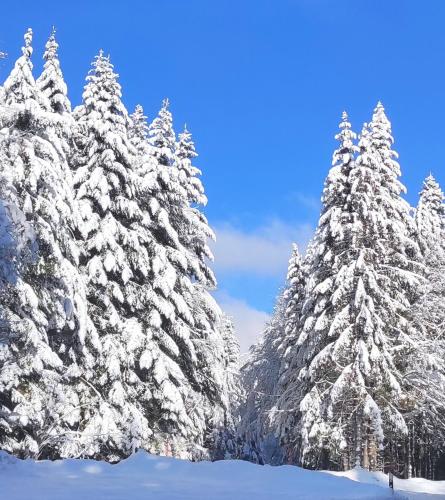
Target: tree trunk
358,441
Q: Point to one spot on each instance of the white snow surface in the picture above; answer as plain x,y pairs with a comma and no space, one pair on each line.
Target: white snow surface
144,476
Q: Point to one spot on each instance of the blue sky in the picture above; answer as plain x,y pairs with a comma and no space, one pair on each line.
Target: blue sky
261,84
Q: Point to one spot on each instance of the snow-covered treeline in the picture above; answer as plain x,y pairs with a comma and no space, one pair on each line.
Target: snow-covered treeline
351,369
109,338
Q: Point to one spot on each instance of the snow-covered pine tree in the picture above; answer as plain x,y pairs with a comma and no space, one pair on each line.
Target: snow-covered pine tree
267,361
294,297
293,300
184,434
355,327
430,217
51,82
427,357
43,311
295,388
234,392
123,273
181,228
225,443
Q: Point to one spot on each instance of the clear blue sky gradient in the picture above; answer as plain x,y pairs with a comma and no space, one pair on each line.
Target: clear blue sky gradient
261,84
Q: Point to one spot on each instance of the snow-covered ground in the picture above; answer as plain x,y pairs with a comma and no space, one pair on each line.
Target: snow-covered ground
145,476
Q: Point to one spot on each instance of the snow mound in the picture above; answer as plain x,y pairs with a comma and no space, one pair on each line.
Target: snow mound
415,488
145,476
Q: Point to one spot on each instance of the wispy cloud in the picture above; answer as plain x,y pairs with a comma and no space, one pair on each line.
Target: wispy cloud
262,251
310,202
249,322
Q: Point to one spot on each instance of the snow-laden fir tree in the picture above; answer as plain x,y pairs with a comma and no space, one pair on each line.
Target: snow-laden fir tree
42,304
225,443
294,297
427,357
51,82
181,228
430,218
355,328
132,384
259,376
267,360
293,301
295,390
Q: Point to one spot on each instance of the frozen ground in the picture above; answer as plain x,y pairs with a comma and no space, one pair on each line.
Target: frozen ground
145,476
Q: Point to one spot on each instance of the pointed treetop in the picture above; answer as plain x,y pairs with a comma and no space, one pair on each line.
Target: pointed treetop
430,215
185,134
138,117
379,116
27,49
295,261
102,93
430,185
51,82
380,127
379,109
344,124
186,146
166,103
51,46
138,110
430,180
20,86
346,137
102,67
139,127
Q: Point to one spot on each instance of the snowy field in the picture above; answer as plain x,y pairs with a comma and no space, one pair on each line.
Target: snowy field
145,476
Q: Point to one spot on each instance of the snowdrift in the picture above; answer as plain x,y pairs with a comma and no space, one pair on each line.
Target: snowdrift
145,476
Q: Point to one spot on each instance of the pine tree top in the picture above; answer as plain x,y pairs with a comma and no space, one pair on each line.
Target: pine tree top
27,49
431,192
430,215
139,126
51,46
51,81
380,128
295,263
20,87
186,146
162,137
346,137
102,96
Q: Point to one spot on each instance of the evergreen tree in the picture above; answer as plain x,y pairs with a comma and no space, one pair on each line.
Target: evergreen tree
117,259
427,357
259,376
430,218
226,443
180,227
355,321
42,307
51,82
293,297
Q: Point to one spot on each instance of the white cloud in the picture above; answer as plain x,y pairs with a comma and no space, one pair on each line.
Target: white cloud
264,251
249,322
